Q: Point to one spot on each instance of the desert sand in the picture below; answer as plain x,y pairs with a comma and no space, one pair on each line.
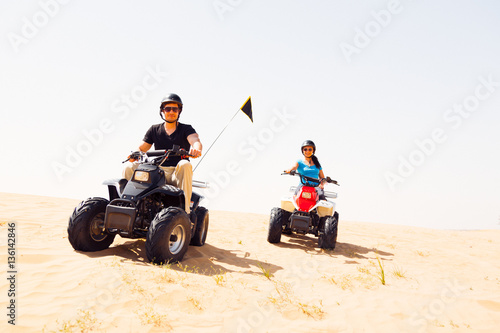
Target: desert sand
433,280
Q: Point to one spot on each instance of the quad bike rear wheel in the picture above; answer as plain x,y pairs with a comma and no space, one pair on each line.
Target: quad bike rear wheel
201,229
85,227
275,225
328,238
168,236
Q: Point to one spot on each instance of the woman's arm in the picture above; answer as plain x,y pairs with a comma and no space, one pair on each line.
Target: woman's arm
321,176
293,168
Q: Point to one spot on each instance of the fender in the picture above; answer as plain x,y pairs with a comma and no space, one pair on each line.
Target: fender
325,208
168,190
195,200
115,187
175,191
288,204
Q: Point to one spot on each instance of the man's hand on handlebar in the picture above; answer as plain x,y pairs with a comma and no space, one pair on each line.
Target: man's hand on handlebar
195,153
135,156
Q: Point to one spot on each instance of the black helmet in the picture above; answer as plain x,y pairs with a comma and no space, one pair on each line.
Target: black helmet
308,143
172,98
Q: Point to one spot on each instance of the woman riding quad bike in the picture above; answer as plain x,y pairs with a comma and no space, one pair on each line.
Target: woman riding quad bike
308,210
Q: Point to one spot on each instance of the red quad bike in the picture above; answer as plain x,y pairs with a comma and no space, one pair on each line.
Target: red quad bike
305,212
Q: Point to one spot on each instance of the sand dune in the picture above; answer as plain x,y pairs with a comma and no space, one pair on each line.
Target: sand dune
435,280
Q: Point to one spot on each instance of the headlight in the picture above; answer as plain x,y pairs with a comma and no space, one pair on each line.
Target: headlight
306,195
141,176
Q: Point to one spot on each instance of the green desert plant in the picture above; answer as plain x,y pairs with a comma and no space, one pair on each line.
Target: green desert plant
219,279
266,272
381,272
399,272
284,297
423,254
186,268
151,316
312,311
219,276
196,303
86,322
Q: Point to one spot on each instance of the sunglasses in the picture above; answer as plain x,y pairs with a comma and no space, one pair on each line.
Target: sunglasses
307,149
171,108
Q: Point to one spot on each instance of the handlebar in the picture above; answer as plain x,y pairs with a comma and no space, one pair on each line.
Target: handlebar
156,153
304,179
175,151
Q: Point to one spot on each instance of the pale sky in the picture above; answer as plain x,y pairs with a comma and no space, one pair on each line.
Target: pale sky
402,99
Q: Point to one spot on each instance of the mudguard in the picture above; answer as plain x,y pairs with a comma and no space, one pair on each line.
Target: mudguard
168,189
115,187
175,191
195,200
325,208
288,204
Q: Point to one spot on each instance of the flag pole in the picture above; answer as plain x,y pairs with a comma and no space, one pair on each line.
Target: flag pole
215,140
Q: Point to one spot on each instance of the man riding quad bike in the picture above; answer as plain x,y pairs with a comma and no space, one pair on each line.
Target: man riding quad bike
144,207
308,210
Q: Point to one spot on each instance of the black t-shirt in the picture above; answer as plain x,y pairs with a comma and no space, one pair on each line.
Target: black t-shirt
157,136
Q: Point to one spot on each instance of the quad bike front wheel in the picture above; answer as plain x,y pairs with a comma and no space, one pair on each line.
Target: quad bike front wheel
275,225
201,228
168,236
328,238
286,218
85,227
